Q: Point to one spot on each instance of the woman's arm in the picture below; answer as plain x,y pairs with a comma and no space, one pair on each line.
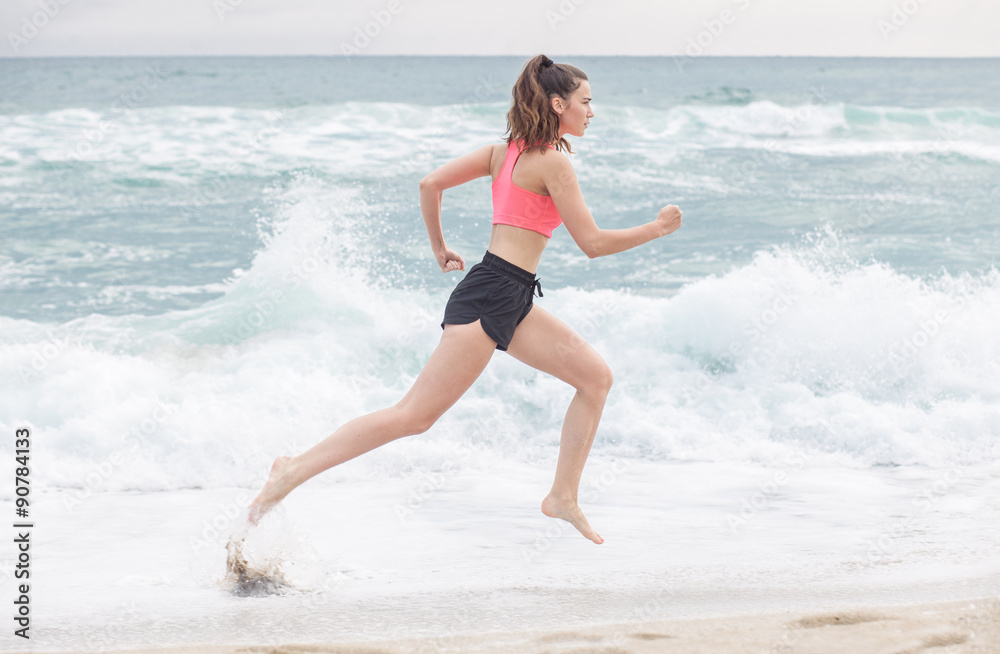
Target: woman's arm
457,171
562,185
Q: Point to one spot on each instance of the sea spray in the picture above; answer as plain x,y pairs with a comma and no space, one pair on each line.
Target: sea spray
271,558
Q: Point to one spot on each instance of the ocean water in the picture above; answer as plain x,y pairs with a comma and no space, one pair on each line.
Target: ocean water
208,262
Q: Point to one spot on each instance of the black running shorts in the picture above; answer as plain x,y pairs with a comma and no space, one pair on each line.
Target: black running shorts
496,293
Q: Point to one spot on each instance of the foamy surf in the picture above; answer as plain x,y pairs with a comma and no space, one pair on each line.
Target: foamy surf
251,573
742,366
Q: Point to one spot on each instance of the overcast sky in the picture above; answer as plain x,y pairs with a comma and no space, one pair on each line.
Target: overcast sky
514,27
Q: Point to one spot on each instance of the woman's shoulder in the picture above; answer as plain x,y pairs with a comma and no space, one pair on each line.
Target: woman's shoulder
498,155
549,158
547,153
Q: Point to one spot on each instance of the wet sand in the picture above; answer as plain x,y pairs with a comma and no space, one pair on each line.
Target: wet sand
940,628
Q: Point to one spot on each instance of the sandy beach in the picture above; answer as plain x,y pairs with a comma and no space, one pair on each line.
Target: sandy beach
938,628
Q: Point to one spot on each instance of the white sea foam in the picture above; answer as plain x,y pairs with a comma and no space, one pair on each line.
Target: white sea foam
390,138
800,347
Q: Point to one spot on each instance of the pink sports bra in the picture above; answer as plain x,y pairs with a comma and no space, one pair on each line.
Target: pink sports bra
513,205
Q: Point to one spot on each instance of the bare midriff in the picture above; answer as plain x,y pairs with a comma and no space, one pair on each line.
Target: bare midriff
519,246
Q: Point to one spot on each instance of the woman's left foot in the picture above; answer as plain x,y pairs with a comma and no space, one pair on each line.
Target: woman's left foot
275,489
569,510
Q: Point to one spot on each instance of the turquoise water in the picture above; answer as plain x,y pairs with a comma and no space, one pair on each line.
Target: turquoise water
150,181
207,262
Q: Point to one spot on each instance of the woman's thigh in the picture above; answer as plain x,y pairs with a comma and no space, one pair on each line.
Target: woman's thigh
459,359
548,344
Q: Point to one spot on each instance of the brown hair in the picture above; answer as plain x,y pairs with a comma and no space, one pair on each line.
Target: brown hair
531,117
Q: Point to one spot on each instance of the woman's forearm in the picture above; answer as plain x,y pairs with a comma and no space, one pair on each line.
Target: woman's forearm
430,207
612,241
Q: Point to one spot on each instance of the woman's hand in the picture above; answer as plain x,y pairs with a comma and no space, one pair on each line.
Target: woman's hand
449,260
669,219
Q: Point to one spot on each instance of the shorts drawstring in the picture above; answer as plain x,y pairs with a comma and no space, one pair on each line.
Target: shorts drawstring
519,275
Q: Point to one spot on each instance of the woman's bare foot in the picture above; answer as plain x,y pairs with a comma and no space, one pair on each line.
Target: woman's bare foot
277,486
568,510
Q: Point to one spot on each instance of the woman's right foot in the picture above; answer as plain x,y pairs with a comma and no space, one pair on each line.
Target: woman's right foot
568,510
275,489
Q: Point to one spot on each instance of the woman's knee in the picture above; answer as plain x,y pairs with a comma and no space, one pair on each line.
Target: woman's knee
415,420
606,378
597,380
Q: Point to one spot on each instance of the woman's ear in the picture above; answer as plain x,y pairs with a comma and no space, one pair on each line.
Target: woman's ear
557,105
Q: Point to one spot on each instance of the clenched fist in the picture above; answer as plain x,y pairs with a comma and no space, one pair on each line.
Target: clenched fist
669,219
449,260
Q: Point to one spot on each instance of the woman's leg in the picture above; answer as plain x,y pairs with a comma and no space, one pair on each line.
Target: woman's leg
456,363
544,342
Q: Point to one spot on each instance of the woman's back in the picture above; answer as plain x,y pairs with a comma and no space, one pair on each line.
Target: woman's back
511,239
527,172
519,206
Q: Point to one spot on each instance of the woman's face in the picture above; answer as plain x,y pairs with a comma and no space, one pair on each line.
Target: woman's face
574,113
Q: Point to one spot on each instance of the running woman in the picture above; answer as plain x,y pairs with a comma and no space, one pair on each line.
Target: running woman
534,191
